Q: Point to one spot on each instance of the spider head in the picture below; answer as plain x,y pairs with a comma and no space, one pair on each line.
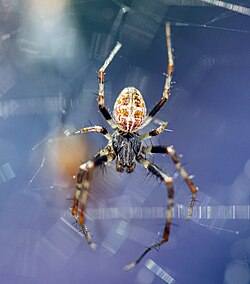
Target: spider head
129,109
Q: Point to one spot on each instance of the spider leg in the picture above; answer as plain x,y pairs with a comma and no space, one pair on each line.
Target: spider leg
82,193
167,86
101,74
154,132
83,180
170,188
169,150
95,128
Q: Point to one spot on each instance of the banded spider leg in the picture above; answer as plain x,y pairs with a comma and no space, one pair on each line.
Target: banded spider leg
170,203
101,74
167,86
169,150
83,180
169,183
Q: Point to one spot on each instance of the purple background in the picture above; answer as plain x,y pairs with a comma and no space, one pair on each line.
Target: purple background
48,62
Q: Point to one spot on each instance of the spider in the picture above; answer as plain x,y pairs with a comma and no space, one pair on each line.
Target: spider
126,147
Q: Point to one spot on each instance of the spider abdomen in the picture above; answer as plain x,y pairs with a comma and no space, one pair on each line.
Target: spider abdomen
129,109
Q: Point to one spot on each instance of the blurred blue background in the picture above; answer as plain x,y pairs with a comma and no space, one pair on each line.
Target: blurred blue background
50,52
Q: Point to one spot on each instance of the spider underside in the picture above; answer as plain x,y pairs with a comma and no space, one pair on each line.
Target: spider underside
125,145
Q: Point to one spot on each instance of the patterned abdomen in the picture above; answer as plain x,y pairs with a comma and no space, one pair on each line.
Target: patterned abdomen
129,109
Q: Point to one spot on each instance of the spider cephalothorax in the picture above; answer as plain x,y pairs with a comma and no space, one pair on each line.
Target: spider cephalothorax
126,146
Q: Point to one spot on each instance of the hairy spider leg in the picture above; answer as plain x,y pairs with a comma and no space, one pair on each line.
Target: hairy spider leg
154,132
83,179
83,193
104,111
167,86
170,188
169,150
95,128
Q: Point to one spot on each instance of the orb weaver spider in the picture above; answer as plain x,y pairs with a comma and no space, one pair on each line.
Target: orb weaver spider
125,145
